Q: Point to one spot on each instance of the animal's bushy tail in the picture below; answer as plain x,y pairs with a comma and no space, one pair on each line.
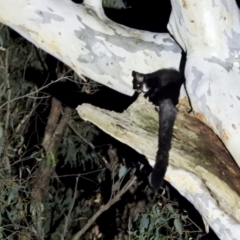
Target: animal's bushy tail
167,115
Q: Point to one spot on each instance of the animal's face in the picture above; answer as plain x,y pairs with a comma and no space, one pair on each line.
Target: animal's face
139,82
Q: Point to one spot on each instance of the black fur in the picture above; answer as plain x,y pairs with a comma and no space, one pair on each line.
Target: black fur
162,88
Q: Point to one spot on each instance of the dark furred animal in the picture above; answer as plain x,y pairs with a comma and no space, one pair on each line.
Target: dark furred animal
162,88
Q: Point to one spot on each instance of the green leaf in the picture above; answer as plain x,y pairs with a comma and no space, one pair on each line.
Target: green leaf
184,217
10,216
12,195
136,217
144,222
178,225
120,4
1,235
160,220
122,171
157,234
170,208
152,224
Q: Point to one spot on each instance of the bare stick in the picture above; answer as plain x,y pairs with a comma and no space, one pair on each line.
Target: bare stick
82,138
8,91
105,207
71,208
32,93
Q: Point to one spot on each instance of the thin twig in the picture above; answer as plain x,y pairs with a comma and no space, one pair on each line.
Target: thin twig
27,60
105,207
81,137
199,229
7,163
32,93
8,91
44,66
26,118
83,78
82,174
71,208
87,142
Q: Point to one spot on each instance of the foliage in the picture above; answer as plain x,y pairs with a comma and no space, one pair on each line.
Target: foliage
75,151
114,3
19,101
162,220
16,108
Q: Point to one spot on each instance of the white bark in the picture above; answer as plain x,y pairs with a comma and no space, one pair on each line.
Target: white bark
92,45
84,39
210,33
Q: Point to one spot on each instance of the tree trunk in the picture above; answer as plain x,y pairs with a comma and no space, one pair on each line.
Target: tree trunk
84,39
210,33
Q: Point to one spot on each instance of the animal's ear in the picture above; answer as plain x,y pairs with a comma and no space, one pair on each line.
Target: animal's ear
139,77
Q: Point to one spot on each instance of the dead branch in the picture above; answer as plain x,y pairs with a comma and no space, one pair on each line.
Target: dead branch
52,139
113,200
